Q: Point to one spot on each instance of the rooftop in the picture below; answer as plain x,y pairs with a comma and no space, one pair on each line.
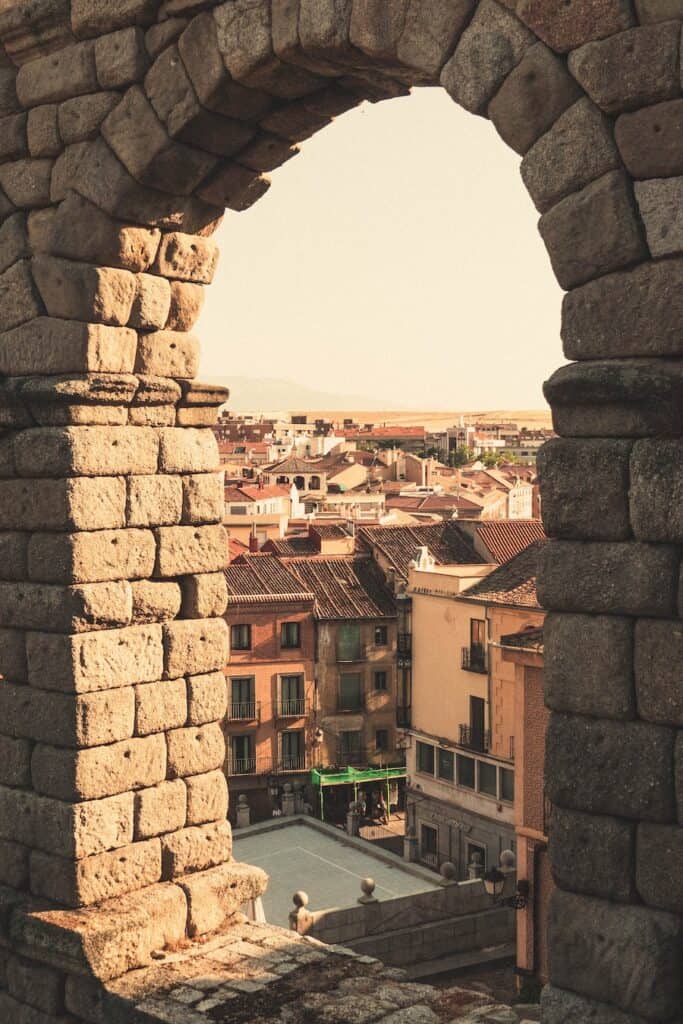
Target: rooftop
511,584
259,579
530,639
447,542
505,538
345,588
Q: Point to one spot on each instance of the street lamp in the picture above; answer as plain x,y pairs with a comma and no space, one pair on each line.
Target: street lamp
494,884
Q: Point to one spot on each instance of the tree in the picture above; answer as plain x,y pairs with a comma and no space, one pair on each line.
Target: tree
461,456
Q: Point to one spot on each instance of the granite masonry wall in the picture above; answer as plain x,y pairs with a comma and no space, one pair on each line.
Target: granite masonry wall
126,129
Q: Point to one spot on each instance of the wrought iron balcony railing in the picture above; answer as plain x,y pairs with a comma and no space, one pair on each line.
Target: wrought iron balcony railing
475,739
473,659
293,707
244,711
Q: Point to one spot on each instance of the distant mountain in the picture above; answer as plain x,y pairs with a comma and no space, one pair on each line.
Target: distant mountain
269,394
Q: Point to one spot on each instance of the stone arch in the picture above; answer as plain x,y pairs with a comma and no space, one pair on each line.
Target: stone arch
126,131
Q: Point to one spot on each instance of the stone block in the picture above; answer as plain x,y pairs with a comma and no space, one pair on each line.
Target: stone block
659,851
71,721
91,557
561,1007
535,93
154,500
627,956
14,866
195,750
87,662
81,117
65,73
430,33
615,579
564,29
13,555
160,706
121,58
204,596
207,698
13,140
152,302
656,482
13,241
13,655
203,500
155,602
606,779
195,849
631,69
650,11
183,450
81,231
34,984
588,665
234,187
87,451
186,303
630,313
657,674
67,830
196,416
77,503
9,103
160,809
102,877
213,896
593,854
90,18
207,797
660,202
585,488
594,231
182,550
43,132
160,36
99,771
79,291
491,46
186,258
15,761
159,162
27,182
18,298
376,26
650,140
267,152
168,354
66,170
47,345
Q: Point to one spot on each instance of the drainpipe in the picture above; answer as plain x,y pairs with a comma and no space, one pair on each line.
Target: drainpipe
488,669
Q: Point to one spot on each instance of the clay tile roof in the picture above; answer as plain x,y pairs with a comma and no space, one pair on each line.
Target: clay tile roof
513,583
345,588
505,538
236,548
291,547
447,542
263,579
529,639
330,531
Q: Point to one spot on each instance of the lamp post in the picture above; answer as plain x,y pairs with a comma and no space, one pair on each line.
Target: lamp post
494,884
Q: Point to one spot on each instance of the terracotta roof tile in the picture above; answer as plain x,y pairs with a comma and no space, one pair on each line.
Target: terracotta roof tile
260,578
513,583
345,588
505,538
446,541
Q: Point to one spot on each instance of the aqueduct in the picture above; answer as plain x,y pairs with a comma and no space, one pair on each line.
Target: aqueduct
126,129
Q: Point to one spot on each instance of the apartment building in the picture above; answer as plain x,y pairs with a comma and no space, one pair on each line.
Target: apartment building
260,511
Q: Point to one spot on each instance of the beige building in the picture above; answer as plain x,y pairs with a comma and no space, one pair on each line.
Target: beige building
260,511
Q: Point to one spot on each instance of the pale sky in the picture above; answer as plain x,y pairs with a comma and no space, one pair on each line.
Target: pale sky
397,256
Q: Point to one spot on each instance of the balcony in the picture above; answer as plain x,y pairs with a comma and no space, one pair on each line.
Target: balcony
405,644
267,765
475,739
350,704
473,659
244,711
291,763
293,707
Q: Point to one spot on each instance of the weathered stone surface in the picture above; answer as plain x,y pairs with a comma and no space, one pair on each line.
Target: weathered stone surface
678,772
657,672
155,602
204,595
158,37
577,149
187,451
13,555
194,647
27,182
152,302
430,33
629,956
154,500
13,241
606,778
168,354
43,132
91,557
207,698
195,750
190,549
19,300
35,985
631,69
160,809
185,306
651,140
121,58
79,291
616,579
650,11
203,498
593,854
376,26
267,152
13,866
532,98
66,170
90,18
9,103
13,140
594,231
48,345
68,830
13,655
588,665
633,312
656,487
561,1007
207,797
68,72
160,706
186,258
102,877
213,896
660,203
15,762
95,661
564,27
71,721
659,851
492,45
585,488
234,187
99,771
86,451
81,117
195,849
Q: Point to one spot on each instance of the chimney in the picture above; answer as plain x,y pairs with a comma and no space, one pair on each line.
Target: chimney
253,542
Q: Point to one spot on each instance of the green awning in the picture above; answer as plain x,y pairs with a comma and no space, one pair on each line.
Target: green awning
342,777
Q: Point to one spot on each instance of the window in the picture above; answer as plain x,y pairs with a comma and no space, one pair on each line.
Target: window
381,636
292,751
242,761
465,768
429,845
446,765
380,679
488,779
507,785
242,697
292,700
350,692
240,637
381,739
290,634
476,855
238,510
348,643
425,758
350,747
